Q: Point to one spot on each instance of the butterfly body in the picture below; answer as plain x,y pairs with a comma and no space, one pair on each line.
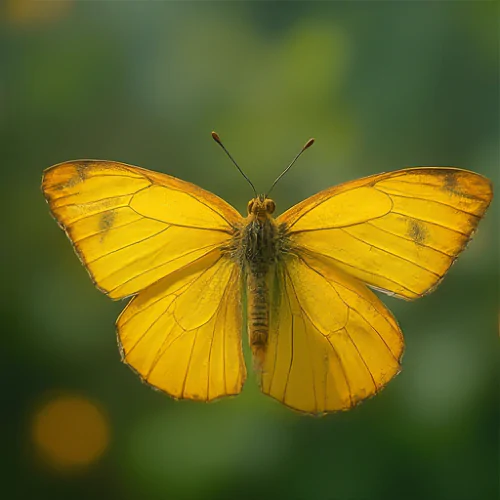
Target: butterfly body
261,249
321,339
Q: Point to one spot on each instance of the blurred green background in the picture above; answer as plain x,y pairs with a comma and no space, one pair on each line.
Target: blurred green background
381,86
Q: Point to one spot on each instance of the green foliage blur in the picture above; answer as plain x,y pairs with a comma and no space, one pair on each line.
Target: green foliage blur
381,86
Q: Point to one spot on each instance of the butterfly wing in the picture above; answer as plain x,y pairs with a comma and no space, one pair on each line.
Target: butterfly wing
146,233
399,231
331,343
182,335
131,226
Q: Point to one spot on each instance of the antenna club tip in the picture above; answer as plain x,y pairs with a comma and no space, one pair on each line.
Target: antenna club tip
309,143
215,136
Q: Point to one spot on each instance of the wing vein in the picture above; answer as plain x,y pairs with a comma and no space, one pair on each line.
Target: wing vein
431,222
183,225
341,364
407,239
128,245
314,252
291,349
377,332
188,367
148,329
390,253
210,353
466,195
211,247
106,231
115,175
210,208
430,200
333,228
161,351
362,358
87,216
82,204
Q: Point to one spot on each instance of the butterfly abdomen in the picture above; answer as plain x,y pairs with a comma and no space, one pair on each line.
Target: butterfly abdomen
258,314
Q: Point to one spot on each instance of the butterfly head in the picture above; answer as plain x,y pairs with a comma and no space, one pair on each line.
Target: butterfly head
261,207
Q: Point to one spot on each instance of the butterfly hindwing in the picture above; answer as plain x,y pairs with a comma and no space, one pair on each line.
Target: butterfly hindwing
182,335
399,231
331,344
132,226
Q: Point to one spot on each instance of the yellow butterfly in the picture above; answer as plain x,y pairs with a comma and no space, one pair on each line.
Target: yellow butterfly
321,340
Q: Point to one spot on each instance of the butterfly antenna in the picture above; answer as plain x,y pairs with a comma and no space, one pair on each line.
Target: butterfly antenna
308,144
216,138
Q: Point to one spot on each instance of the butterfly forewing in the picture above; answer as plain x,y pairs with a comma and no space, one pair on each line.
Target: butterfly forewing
130,226
399,231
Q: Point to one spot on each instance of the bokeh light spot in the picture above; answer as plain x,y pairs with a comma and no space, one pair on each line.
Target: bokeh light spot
69,432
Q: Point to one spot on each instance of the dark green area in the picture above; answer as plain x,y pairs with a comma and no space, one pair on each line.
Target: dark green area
381,86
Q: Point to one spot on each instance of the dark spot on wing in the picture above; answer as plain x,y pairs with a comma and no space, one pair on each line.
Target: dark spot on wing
79,176
453,186
106,222
417,232
451,183
72,182
81,169
60,186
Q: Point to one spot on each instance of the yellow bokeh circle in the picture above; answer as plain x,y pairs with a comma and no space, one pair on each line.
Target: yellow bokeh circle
70,432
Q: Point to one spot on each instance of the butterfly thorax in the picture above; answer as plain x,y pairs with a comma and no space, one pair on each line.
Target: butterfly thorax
260,237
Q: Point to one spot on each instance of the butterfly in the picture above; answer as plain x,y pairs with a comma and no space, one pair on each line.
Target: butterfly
321,340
